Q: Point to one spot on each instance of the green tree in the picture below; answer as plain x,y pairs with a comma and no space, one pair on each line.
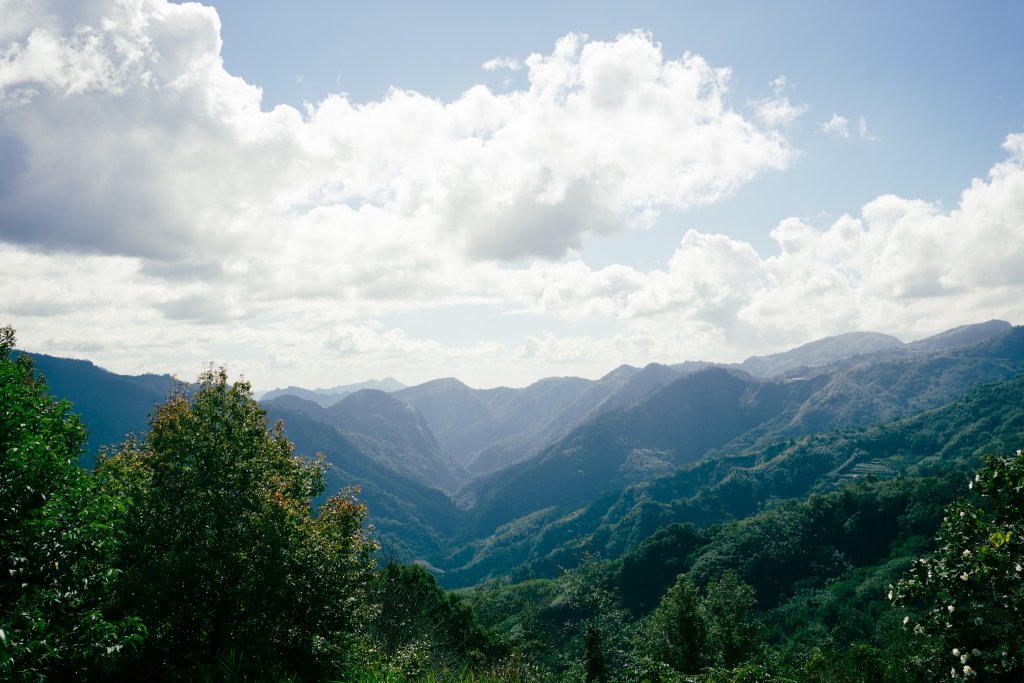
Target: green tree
676,631
225,559
58,542
413,613
972,588
728,610
601,629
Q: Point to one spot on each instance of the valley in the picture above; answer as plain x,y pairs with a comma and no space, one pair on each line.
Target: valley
480,484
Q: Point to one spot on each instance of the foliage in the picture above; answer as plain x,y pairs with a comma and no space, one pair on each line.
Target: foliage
677,631
224,555
205,530
426,627
972,586
729,614
597,630
652,568
989,418
58,542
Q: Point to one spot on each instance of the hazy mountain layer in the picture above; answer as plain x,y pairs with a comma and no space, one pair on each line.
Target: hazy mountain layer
574,444
989,419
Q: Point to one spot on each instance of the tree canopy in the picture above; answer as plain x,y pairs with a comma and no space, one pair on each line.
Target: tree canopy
221,517
60,537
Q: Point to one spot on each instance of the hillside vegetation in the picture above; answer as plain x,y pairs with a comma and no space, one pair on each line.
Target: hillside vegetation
694,528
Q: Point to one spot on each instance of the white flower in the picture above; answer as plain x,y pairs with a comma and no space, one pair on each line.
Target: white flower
1018,567
906,620
963,659
956,652
950,608
968,671
963,577
967,553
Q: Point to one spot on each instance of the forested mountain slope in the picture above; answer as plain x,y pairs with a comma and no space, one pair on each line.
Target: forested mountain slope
398,435
411,518
582,440
389,430
487,429
724,410
111,405
674,425
989,419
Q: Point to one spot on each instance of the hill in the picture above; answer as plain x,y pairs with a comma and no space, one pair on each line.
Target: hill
111,406
989,419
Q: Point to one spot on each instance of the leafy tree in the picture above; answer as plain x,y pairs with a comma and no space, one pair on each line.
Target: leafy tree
972,587
728,611
600,629
58,541
412,609
676,631
651,569
225,558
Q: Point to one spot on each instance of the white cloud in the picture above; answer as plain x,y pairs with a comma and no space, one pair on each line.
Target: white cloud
840,125
837,125
862,130
134,140
904,266
152,216
509,63
777,110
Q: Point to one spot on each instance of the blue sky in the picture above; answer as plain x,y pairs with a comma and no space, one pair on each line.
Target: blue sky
318,193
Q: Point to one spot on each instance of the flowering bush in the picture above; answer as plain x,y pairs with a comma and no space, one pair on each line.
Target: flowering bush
970,592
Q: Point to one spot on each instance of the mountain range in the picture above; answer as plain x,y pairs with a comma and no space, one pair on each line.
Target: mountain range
480,483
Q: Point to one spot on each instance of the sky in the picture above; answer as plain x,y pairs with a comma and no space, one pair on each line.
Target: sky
319,193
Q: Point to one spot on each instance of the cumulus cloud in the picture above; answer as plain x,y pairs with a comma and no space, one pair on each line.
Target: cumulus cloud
152,215
131,138
902,265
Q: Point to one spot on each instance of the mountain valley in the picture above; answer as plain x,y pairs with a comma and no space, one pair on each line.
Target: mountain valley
479,484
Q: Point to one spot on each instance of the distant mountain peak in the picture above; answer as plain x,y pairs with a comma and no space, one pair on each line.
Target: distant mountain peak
621,373
820,352
388,384
964,335
328,397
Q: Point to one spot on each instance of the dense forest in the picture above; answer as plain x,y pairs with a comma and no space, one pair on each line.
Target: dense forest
205,549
